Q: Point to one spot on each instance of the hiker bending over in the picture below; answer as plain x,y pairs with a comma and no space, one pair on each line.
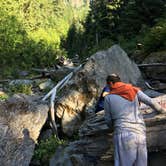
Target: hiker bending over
121,112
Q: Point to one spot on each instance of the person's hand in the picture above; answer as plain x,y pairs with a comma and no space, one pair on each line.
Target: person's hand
105,94
159,108
163,110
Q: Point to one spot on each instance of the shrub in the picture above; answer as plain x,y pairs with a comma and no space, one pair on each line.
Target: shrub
20,88
3,96
156,38
45,149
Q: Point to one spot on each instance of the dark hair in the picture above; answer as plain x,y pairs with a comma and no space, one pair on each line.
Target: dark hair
113,78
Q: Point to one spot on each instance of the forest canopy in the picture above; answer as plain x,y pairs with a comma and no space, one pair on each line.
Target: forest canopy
34,33
31,32
125,22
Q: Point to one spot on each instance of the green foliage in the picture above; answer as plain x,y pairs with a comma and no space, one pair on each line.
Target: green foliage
130,45
31,32
102,45
75,136
45,149
100,20
20,88
3,97
125,22
74,41
134,14
155,39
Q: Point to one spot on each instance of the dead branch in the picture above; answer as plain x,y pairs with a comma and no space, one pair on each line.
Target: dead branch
3,81
153,88
52,93
152,65
41,77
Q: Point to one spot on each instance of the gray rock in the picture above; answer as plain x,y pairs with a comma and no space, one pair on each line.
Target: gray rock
155,72
23,73
83,90
152,93
46,84
21,81
21,119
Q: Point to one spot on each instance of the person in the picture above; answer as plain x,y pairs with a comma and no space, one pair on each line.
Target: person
122,114
100,102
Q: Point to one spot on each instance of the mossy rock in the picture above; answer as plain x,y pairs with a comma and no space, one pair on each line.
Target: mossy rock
156,57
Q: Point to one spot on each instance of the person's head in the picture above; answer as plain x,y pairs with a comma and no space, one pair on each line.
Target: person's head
113,78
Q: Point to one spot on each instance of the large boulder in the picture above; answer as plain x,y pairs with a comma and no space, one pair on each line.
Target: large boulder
21,119
153,71
82,91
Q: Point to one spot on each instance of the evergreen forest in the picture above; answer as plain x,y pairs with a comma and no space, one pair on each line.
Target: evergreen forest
34,33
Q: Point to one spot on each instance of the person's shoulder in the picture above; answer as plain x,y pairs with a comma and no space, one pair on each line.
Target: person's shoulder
106,89
140,92
107,97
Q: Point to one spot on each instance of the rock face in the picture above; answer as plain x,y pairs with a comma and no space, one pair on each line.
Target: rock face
155,72
95,143
82,91
21,119
156,57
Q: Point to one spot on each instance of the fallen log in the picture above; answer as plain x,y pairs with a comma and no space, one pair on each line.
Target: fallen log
151,65
159,88
53,74
161,79
43,76
4,81
53,70
52,94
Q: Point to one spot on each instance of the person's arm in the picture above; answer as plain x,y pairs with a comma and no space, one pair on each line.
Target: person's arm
107,115
148,101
